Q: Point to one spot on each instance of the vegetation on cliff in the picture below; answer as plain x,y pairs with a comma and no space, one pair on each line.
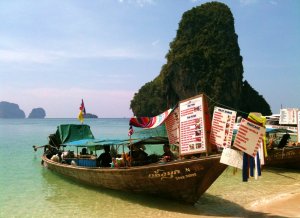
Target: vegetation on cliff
205,58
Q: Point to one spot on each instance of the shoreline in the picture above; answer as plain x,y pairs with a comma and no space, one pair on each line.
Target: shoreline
285,204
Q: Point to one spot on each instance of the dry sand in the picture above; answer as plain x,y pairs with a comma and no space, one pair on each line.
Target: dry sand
285,205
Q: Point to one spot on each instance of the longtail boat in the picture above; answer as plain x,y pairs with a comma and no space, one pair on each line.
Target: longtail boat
282,154
184,179
287,157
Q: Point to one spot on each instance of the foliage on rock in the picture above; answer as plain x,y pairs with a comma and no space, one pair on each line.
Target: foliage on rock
204,58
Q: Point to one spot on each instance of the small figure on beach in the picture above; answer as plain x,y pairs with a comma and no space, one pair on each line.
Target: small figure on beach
168,154
284,140
271,140
83,151
104,160
137,155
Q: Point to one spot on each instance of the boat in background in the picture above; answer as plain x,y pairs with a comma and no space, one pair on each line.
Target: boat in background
273,123
283,149
282,145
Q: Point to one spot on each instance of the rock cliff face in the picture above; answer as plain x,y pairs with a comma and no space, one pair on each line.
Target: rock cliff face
10,110
37,113
204,58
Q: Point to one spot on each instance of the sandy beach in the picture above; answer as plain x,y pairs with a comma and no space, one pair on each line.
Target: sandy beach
284,205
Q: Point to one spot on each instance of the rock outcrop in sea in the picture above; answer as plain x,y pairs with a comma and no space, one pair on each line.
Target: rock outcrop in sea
10,110
204,58
89,115
37,113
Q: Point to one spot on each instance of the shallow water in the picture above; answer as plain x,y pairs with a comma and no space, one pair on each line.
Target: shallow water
29,190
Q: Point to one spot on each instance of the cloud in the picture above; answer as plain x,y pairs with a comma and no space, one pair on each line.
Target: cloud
248,2
272,2
31,56
47,56
156,42
140,3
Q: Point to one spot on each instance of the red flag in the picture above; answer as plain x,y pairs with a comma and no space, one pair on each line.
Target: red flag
130,131
81,112
82,107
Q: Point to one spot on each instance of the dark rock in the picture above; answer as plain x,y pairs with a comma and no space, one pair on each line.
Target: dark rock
88,115
10,110
37,113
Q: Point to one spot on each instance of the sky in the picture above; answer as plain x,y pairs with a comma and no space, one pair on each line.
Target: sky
54,53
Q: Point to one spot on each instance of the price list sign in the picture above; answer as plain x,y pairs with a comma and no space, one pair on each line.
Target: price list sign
248,137
192,128
298,126
222,127
288,116
172,126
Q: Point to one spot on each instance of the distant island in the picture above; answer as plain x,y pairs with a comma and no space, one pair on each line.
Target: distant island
89,115
10,110
37,113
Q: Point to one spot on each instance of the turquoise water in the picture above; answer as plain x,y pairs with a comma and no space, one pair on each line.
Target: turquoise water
29,190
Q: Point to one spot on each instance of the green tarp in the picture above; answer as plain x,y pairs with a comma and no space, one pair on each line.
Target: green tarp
74,132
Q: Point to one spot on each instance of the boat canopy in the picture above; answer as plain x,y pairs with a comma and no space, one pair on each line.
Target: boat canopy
279,130
80,135
97,142
110,142
150,122
74,132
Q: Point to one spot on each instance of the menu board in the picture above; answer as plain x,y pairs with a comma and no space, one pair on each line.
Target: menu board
248,137
232,158
222,127
172,126
192,128
288,116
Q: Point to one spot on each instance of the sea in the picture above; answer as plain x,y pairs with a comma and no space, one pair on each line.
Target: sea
29,190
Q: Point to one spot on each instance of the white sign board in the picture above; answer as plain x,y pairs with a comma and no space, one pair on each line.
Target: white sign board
192,128
172,126
222,127
232,158
248,137
288,116
298,127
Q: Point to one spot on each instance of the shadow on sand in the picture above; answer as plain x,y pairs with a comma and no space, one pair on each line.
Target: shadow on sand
208,205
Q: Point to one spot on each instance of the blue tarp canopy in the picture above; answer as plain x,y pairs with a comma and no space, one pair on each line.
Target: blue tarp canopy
82,136
97,142
110,142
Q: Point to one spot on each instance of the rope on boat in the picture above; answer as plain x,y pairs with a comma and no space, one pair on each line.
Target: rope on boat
231,108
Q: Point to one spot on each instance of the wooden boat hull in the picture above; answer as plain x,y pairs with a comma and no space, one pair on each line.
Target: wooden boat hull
183,180
287,157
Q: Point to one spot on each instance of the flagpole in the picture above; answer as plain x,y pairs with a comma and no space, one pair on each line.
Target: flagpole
130,132
82,112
